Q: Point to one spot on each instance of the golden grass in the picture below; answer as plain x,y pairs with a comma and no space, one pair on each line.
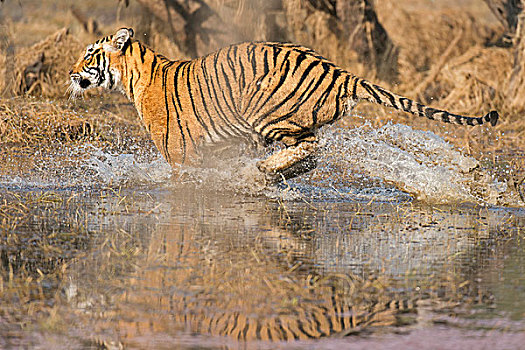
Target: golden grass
25,121
445,64
41,69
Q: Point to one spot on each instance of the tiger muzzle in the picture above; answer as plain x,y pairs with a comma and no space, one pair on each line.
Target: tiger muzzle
78,79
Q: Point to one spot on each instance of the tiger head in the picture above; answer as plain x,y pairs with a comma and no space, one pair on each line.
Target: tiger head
100,65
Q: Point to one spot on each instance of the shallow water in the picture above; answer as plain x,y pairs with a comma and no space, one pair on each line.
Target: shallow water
158,267
110,248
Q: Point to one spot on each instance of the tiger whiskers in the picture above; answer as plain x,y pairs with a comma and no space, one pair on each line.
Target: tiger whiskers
74,90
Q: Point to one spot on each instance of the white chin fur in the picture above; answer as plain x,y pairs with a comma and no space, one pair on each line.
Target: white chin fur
74,90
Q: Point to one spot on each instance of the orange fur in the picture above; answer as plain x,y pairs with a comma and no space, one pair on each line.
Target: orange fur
250,91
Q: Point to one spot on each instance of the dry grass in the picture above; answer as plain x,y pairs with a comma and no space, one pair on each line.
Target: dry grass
41,69
445,64
29,121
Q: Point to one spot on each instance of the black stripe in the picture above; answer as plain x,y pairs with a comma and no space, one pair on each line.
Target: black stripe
408,106
221,113
346,317
245,329
300,58
304,98
257,106
228,88
320,313
153,69
258,331
420,110
444,117
278,133
276,52
224,115
230,61
250,52
284,334
110,76
352,316
179,105
295,335
216,105
131,87
284,65
285,60
235,320
290,95
243,78
265,61
354,89
142,49
389,95
343,90
164,87
193,142
371,91
335,75
233,110
222,330
429,112
328,319
97,58
111,80
178,116
318,105
338,98
204,105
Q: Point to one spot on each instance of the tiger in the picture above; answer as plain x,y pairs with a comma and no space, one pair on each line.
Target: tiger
257,92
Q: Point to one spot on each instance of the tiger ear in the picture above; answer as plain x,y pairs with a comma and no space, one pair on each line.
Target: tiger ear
121,38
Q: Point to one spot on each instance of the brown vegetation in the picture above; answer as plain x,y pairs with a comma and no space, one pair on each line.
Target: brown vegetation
447,64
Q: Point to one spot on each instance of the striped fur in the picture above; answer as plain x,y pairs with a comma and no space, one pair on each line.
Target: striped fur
260,92
303,322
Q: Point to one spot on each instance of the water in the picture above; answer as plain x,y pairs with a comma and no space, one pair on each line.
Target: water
154,267
393,163
108,247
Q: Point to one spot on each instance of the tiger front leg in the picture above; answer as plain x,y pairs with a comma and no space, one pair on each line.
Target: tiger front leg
294,160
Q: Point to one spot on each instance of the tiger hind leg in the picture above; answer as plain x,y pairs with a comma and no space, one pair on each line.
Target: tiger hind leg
294,160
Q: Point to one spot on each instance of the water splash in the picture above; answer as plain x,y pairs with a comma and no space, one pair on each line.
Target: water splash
122,169
392,163
420,163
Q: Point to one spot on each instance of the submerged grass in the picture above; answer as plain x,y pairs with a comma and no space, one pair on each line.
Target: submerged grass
36,244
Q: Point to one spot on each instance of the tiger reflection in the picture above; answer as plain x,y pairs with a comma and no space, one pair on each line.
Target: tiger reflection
201,278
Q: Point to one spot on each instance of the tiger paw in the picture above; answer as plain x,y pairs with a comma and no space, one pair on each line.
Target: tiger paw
266,166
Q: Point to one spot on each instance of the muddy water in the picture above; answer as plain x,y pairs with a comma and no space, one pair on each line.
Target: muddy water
109,248
205,269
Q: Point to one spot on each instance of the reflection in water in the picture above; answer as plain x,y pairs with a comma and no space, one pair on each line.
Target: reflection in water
176,265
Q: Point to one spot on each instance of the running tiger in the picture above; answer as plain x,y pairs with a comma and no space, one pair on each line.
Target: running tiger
259,92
